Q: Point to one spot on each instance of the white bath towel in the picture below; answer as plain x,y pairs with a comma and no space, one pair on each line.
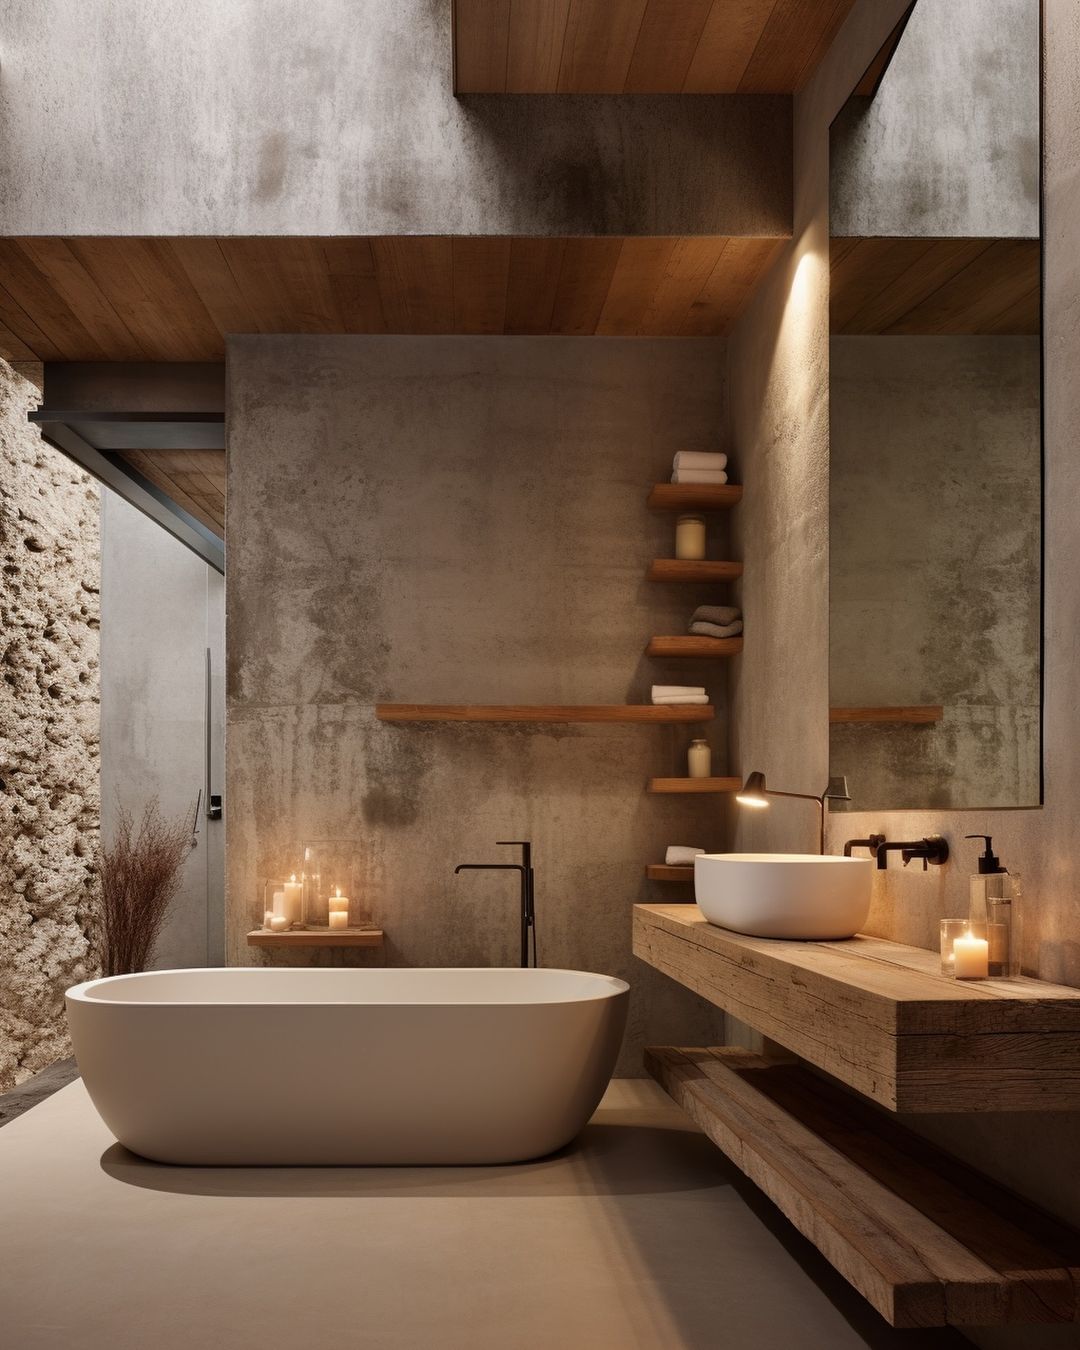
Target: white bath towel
725,630
700,476
681,855
675,690
721,614
676,700
699,459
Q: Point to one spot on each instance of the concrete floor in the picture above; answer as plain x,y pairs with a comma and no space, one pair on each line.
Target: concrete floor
637,1236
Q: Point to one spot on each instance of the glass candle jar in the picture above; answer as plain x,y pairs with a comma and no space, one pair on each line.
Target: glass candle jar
332,875
690,538
965,949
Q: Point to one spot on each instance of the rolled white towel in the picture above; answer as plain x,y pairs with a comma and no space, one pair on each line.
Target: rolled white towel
681,855
698,459
662,690
675,700
702,476
721,614
718,630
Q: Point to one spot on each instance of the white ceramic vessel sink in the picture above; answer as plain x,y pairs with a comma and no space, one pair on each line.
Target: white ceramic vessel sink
784,895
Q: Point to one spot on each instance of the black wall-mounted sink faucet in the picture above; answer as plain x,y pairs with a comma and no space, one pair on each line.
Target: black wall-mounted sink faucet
873,842
932,850
528,891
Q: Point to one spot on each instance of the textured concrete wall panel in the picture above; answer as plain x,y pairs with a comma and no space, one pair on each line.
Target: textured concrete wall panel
284,117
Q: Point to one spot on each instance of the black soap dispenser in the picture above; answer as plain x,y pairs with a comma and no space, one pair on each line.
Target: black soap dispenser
995,904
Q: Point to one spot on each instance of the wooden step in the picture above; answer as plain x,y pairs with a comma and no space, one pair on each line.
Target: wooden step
925,1239
582,712
663,872
880,1016
691,785
694,646
685,569
694,496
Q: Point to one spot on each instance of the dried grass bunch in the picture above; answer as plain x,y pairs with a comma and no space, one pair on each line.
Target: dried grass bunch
140,876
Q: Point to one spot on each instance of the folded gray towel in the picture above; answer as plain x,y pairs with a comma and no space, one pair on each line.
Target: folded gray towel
699,459
681,855
721,614
717,629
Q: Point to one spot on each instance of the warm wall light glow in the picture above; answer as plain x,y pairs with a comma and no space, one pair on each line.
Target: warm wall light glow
753,791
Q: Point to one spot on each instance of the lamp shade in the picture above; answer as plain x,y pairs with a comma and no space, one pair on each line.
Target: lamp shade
753,791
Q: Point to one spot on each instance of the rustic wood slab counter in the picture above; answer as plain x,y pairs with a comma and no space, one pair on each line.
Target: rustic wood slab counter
880,1016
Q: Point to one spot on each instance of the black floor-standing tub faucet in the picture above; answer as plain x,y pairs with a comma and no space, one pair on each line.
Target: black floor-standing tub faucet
528,892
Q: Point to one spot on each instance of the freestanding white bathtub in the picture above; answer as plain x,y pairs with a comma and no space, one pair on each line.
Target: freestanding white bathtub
302,1067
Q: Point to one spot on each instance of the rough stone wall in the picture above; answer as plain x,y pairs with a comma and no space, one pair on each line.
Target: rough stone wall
49,618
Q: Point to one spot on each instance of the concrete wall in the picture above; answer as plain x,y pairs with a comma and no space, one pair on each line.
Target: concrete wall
284,117
950,143
934,546
462,520
1029,1152
48,734
161,608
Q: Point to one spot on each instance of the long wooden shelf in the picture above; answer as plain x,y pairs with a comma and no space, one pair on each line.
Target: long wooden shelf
583,712
686,569
913,716
663,872
881,1017
926,1240
694,646
317,937
693,496
692,785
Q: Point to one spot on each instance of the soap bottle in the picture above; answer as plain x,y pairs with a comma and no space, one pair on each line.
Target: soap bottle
995,902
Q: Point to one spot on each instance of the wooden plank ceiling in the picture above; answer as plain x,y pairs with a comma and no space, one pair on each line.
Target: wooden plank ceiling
139,299
641,46
935,286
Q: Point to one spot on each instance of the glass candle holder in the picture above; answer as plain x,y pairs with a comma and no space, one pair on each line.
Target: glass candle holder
331,878
965,949
282,904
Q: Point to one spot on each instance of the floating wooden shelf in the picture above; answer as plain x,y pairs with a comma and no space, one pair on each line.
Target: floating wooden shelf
920,716
926,1240
662,872
693,496
583,712
694,646
317,937
665,785
683,569
880,1016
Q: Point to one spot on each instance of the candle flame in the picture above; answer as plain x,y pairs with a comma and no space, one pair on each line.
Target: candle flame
293,877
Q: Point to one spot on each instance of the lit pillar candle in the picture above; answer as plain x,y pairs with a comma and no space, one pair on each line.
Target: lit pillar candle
971,957
292,900
339,909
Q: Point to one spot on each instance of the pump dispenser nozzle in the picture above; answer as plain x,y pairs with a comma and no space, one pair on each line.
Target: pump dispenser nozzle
989,861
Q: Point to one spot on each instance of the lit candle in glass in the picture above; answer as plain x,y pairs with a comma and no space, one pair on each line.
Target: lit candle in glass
339,909
971,957
292,900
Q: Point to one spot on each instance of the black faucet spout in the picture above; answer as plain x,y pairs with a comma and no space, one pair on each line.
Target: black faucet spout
932,849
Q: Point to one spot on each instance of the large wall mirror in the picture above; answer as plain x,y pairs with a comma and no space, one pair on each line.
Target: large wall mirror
935,415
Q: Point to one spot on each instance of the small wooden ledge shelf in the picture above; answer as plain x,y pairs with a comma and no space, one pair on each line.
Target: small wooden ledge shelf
584,712
694,646
914,716
685,569
694,496
880,1016
926,1240
316,937
664,872
692,785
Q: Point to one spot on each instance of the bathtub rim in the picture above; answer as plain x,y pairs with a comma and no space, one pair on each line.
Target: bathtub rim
608,987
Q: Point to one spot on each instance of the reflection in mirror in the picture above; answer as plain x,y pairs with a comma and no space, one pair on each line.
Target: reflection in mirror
935,415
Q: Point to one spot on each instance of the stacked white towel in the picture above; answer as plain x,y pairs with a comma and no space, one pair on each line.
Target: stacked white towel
681,855
696,466
722,621
675,694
